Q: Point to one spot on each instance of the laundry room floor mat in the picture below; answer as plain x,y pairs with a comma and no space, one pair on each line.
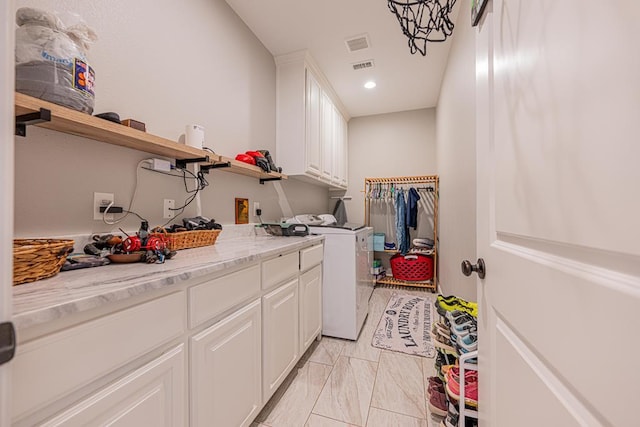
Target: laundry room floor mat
405,325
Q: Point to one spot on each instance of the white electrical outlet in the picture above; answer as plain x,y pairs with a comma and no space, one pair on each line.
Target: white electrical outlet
101,199
168,213
256,206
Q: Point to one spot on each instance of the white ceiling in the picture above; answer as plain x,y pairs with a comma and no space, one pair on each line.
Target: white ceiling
404,81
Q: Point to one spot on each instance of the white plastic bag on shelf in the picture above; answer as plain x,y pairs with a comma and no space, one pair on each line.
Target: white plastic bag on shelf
51,59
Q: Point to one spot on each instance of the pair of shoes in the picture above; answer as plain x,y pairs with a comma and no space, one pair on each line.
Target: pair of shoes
461,320
467,343
443,328
452,387
452,417
451,303
463,329
446,368
441,340
435,385
438,403
443,358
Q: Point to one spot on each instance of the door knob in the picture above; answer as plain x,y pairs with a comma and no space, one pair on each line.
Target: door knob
479,267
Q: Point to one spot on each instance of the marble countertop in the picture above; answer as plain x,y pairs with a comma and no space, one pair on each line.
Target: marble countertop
79,290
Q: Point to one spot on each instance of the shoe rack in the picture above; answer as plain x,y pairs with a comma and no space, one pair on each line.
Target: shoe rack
464,366
452,352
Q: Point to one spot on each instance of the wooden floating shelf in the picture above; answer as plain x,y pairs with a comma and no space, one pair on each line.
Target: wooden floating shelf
74,122
249,170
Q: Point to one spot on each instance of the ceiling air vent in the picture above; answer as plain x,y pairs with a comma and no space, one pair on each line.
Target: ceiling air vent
357,43
363,65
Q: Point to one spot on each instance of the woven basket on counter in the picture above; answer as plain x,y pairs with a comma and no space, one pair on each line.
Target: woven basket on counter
35,259
188,239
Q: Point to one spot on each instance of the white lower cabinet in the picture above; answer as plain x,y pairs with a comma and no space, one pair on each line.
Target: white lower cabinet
280,335
152,395
143,365
226,372
61,363
310,306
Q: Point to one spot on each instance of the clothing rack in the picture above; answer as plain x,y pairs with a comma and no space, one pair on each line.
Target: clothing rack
379,197
341,197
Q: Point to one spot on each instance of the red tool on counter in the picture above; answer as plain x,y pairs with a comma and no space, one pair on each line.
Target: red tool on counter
134,243
142,241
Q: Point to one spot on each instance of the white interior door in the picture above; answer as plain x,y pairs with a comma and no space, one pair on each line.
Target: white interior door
6,187
558,107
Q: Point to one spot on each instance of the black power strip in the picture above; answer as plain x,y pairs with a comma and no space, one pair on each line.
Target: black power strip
112,209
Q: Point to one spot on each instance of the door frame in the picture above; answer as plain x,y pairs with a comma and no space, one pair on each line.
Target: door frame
7,123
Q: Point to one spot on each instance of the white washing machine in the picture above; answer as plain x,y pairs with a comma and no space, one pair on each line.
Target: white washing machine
347,283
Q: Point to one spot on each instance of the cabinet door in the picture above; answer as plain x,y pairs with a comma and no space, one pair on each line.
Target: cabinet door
226,370
310,306
281,335
327,137
48,368
336,169
313,111
344,153
150,396
339,177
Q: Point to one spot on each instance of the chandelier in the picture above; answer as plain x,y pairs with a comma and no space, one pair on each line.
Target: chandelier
423,21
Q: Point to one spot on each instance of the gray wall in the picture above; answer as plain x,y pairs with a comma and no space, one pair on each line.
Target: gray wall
387,145
456,157
166,64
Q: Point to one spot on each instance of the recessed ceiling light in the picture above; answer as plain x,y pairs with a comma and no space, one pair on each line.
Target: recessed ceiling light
370,84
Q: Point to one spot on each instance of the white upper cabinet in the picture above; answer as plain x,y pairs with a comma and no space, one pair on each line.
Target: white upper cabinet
311,126
313,111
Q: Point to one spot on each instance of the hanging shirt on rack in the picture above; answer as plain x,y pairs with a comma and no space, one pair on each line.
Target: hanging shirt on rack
402,232
412,208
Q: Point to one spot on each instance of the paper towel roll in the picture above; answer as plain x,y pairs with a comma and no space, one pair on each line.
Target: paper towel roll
194,136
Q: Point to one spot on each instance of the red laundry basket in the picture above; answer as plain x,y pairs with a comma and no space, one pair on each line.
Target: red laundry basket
412,267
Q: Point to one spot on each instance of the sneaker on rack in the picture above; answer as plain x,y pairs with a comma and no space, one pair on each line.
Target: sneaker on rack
442,328
467,343
445,368
442,341
438,403
451,303
463,323
435,387
451,419
453,315
452,386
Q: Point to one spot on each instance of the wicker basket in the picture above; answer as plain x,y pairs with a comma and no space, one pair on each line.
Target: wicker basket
412,267
35,259
188,239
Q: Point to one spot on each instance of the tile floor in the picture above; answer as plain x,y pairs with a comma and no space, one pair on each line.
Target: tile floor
341,383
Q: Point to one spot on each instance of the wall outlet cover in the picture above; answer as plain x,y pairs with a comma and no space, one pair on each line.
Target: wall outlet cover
102,199
168,211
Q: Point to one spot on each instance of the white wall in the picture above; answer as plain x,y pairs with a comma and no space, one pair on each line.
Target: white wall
167,64
456,158
388,145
